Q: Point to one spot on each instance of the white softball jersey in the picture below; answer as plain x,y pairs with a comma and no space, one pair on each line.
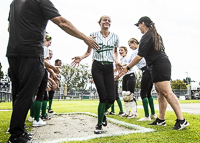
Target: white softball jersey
106,46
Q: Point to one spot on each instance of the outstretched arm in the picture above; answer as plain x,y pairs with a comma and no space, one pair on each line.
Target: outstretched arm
78,59
118,65
132,63
70,29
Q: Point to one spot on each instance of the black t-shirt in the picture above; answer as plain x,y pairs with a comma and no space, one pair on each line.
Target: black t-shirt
28,20
147,50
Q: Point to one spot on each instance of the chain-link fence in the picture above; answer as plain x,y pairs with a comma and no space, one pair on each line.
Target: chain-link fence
92,94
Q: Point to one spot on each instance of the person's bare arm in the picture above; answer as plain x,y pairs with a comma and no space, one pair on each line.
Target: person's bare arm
54,68
70,29
131,64
78,59
118,65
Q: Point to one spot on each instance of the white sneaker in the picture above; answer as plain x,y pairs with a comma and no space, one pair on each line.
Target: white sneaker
39,123
144,119
132,116
153,116
30,119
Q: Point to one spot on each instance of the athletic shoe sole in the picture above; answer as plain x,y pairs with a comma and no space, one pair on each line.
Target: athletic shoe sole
97,131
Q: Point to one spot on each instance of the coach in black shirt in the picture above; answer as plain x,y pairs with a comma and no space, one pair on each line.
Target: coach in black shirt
27,23
151,47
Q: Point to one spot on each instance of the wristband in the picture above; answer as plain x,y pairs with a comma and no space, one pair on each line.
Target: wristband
128,68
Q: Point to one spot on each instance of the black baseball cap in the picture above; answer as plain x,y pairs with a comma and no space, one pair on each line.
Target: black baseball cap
144,19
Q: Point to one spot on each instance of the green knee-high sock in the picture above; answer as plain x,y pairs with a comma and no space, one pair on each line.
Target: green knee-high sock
145,102
44,108
151,104
50,103
38,106
113,108
120,105
101,111
32,110
108,105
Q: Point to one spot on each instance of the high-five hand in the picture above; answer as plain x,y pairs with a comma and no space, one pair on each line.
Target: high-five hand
76,61
91,43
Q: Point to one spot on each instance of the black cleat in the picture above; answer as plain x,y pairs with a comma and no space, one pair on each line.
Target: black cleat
30,135
158,122
47,117
180,124
120,113
98,129
112,113
21,139
104,123
50,111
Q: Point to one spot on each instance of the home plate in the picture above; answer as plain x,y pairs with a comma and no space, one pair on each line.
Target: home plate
80,126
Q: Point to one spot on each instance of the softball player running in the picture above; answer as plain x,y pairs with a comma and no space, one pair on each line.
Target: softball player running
102,68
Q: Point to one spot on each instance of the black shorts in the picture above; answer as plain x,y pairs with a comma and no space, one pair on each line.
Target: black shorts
161,70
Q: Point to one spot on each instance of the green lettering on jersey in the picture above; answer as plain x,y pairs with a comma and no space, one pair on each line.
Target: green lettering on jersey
104,48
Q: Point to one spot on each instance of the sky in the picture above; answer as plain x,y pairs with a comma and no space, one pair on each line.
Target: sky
177,21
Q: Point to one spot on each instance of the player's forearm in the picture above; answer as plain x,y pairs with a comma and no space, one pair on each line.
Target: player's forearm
86,53
134,61
116,57
47,65
68,27
50,71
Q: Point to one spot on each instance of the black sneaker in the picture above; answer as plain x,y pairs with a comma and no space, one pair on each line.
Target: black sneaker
180,124
21,139
104,123
50,111
47,117
28,134
98,129
158,122
120,113
112,113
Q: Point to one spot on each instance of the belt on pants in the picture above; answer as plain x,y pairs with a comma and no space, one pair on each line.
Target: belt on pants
144,68
105,62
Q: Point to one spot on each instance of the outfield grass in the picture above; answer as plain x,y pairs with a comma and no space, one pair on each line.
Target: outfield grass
162,135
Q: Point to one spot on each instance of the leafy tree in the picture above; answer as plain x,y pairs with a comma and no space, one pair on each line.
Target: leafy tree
76,78
187,80
1,72
178,84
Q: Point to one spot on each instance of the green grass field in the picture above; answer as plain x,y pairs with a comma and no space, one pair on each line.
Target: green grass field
162,134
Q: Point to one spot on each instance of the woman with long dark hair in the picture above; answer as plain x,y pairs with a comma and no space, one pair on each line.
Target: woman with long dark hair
152,49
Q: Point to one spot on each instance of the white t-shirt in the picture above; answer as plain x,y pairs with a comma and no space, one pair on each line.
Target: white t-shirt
46,52
126,60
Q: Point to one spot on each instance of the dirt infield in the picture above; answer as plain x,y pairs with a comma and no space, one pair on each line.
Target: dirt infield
71,126
80,126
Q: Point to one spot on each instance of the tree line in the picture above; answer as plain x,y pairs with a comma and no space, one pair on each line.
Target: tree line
78,78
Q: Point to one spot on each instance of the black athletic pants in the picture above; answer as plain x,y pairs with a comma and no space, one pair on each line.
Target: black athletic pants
128,83
26,76
116,91
103,77
146,83
42,87
51,94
